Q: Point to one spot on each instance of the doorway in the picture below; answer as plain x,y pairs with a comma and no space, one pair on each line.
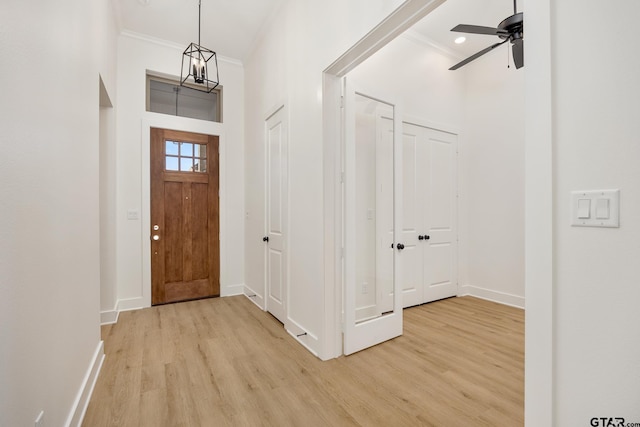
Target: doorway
185,216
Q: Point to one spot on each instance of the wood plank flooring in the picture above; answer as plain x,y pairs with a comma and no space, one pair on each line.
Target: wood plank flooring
223,362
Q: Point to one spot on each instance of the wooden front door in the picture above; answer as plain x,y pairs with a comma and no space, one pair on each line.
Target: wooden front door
185,243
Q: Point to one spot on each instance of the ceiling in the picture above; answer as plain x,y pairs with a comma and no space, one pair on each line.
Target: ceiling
436,27
230,27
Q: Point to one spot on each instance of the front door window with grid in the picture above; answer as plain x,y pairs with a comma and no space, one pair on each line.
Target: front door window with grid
185,157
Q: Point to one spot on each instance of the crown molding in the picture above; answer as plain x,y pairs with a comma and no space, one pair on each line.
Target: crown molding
172,45
416,37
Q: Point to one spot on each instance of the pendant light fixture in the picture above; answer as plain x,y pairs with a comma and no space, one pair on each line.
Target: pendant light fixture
195,61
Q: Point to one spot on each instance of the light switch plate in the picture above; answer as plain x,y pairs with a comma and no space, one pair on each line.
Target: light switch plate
133,214
603,208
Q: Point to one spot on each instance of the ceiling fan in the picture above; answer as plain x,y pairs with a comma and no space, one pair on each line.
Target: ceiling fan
510,29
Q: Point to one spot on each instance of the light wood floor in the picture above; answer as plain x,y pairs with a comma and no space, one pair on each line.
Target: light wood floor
222,361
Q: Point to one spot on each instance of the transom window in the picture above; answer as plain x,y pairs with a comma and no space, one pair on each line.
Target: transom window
167,96
185,156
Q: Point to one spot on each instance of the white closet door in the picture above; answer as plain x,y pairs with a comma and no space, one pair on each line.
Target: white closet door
412,218
276,218
429,215
440,216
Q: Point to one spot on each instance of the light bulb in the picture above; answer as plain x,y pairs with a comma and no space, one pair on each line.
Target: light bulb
198,70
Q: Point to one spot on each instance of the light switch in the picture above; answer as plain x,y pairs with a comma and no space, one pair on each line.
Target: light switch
133,214
595,208
584,208
602,209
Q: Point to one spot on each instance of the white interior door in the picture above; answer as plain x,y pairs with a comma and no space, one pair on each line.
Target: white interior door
440,216
372,217
429,215
413,187
276,214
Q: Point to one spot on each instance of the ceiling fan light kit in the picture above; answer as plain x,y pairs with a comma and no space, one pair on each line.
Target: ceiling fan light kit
195,70
510,29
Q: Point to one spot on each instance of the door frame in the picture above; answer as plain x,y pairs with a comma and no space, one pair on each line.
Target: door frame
182,124
539,236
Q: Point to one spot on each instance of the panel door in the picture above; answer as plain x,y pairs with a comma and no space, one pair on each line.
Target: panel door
185,237
440,254
276,214
413,188
429,215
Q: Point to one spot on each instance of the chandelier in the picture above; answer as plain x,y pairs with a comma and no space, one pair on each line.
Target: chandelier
195,70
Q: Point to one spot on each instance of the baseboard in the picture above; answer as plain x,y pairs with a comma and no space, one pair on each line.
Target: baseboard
84,395
232,290
109,317
130,304
490,295
304,337
254,297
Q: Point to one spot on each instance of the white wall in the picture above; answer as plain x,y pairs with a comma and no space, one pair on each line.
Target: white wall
286,66
596,286
53,53
108,284
492,180
414,74
136,55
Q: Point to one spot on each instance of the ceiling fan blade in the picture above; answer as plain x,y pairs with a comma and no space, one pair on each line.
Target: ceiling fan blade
477,55
518,53
477,29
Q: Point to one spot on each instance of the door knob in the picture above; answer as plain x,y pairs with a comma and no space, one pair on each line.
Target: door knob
265,239
400,246
156,237
420,237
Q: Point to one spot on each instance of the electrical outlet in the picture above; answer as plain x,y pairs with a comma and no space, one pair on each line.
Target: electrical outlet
365,288
40,419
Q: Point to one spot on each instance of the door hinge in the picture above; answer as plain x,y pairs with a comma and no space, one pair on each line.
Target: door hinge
342,177
341,101
341,252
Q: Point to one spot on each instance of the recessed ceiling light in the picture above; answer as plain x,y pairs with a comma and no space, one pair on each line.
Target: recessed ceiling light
460,40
